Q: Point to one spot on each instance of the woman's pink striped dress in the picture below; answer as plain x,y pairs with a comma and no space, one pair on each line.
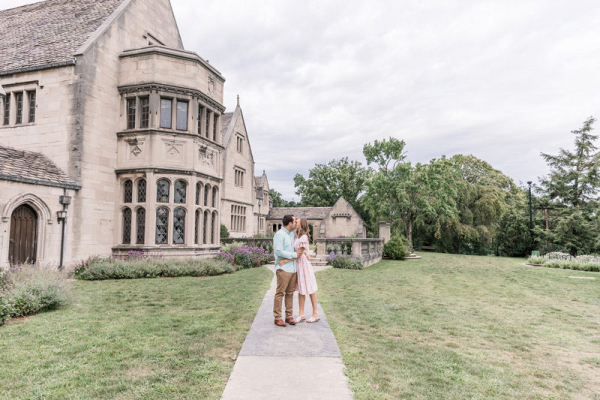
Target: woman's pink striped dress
307,284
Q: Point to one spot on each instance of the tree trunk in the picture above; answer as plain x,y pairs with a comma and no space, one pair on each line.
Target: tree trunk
409,232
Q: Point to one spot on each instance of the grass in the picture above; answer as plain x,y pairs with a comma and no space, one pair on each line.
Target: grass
465,327
150,338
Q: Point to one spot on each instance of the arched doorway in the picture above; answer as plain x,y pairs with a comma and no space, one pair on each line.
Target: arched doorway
311,230
23,235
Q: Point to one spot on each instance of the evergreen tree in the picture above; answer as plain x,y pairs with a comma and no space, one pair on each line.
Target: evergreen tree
570,192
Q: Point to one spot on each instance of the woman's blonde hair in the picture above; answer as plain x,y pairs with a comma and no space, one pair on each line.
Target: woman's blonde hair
303,229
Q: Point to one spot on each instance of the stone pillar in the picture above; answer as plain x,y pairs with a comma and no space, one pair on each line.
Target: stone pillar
385,231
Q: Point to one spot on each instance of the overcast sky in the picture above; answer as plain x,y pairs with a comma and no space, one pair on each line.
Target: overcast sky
502,80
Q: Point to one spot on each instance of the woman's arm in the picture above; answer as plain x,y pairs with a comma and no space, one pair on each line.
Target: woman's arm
285,261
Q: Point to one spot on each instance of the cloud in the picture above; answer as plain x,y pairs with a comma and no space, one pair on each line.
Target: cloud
503,81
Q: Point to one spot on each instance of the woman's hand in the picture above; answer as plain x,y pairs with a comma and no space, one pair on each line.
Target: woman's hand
284,261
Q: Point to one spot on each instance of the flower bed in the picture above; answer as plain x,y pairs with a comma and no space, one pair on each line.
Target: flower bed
136,265
566,261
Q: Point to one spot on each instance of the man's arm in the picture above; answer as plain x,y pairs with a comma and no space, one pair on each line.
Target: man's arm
279,251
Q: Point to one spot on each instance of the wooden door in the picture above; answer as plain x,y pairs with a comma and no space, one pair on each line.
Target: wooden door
23,236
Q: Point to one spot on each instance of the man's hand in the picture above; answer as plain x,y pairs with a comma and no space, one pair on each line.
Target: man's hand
300,252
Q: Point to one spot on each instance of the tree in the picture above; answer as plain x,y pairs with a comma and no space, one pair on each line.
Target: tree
278,200
326,183
570,191
401,193
484,195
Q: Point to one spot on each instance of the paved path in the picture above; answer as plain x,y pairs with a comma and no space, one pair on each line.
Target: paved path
296,362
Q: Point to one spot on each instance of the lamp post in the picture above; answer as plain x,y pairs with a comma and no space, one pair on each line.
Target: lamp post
530,212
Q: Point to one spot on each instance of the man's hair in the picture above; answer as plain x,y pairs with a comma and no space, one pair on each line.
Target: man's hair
287,219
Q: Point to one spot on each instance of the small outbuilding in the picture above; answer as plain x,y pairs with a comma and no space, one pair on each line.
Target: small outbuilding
341,220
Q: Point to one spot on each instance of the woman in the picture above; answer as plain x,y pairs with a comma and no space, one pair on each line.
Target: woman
307,284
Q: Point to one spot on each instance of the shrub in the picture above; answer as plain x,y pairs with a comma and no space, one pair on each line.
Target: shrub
396,248
6,309
346,263
35,288
135,268
224,232
226,248
245,256
536,260
332,257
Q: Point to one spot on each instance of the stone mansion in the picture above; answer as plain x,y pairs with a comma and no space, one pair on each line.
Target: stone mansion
114,138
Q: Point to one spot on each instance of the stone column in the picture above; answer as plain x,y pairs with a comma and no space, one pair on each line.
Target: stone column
385,231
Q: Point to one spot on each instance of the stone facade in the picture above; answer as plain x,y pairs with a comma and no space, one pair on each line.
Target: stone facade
131,116
245,201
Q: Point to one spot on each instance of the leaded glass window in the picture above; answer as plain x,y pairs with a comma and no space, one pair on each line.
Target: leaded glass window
165,113
198,189
144,112
162,224
31,106
214,197
182,115
141,226
127,226
179,226
215,123
206,192
162,191
19,100
130,113
197,223
212,225
127,191
7,109
200,112
180,192
204,237
141,191
207,131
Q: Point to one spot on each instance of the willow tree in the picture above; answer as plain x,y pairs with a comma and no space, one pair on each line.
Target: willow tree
404,194
484,195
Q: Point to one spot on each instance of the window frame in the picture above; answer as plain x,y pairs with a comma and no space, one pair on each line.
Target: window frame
130,108
144,115
7,105
187,111
32,105
170,100
19,110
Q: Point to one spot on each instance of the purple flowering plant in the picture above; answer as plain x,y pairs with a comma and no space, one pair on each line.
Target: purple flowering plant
245,256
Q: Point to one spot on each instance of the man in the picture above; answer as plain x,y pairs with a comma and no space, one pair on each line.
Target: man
283,245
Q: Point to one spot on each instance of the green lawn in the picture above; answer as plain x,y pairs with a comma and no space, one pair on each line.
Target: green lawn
147,338
465,327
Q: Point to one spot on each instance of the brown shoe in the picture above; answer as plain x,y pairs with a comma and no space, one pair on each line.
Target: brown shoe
291,321
279,322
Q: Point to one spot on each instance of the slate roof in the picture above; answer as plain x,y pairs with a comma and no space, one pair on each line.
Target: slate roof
225,121
30,167
49,33
300,212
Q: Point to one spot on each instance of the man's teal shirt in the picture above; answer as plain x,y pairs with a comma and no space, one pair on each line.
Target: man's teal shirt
283,245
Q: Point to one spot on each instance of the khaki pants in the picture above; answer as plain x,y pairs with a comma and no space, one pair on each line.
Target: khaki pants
286,285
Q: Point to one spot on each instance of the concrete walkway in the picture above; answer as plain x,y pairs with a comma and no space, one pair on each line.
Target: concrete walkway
300,361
